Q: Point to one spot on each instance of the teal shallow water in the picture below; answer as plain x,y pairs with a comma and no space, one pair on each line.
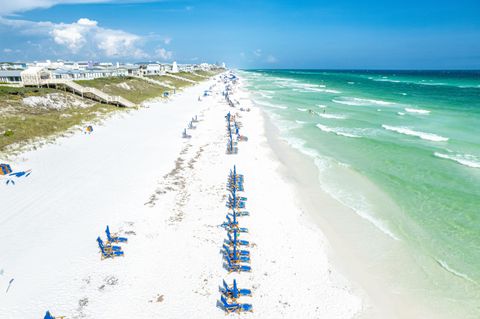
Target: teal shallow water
414,134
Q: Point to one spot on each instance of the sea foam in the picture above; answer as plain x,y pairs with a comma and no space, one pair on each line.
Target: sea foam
331,116
355,101
337,131
422,135
417,111
445,266
463,159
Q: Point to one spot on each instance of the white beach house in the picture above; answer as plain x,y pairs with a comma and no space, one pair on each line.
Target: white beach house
10,76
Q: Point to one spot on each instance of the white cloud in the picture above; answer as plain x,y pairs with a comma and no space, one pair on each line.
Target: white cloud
163,54
117,43
271,59
87,22
167,40
257,52
73,35
83,35
7,50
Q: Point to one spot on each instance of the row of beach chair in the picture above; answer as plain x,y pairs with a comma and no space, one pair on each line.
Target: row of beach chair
233,133
235,253
191,126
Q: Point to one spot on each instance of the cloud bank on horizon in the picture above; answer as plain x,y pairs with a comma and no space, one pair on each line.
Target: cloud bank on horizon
247,33
83,38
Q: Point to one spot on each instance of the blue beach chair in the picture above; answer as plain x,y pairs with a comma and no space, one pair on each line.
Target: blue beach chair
234,204
185,135
232,224
235,307
109,251
235,187
239,252
113,238
236,242
239,213
235,257
48,315
236,260
231,267
233,229
231,149
233,292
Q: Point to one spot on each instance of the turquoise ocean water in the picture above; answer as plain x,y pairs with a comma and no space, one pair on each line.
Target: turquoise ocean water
414,134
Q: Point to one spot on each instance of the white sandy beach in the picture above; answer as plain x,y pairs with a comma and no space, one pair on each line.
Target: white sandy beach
167,195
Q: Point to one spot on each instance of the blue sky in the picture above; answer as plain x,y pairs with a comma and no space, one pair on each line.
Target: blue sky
247,33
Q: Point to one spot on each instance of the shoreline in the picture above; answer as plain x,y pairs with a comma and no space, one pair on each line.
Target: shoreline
384,295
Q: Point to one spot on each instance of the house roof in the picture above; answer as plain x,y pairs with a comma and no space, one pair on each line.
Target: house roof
10,72
33,70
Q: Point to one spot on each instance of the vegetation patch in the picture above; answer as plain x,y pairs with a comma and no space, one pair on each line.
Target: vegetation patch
21,124
133,89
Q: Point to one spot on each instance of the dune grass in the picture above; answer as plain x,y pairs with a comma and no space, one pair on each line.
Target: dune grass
133,89
20,125
177,83
190,76
210,73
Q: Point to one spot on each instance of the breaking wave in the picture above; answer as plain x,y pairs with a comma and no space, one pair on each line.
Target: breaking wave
331,116
355,101
446,267
337,131
417,111
463,159
422,135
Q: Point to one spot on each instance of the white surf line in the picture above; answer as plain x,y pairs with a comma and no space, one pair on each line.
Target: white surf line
422,135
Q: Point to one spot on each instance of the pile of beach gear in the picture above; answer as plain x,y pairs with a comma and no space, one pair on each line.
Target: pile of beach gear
235,254
7,174
89,129
107,249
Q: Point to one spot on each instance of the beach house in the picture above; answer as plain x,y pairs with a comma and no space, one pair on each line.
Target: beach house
35,75
10,76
